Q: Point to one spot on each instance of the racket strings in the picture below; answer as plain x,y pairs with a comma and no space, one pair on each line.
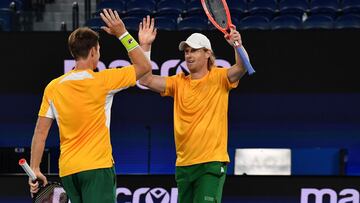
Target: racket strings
218,12
46,194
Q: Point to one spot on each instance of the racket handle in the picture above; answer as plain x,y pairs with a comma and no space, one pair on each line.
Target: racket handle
27,169
245,60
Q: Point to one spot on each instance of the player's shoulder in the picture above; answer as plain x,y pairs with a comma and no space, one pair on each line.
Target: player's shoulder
215,70
54,82
218,69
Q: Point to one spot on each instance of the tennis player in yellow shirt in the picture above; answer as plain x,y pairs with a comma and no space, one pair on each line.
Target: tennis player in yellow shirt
200,113
80,102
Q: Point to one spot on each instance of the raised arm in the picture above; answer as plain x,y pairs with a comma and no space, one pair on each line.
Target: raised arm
147,35
41,132
237,70
115,26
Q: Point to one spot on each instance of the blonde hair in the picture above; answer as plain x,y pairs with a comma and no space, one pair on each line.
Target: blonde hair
211,60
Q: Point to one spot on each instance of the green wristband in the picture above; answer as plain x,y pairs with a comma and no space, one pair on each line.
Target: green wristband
129,42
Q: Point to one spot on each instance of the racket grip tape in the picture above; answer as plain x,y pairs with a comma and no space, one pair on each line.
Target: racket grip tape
27,169
245,61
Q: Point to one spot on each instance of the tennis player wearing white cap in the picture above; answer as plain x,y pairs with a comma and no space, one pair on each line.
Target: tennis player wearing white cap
200,113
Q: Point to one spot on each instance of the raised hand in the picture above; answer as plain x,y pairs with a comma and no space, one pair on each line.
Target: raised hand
114,25
147,33
234,37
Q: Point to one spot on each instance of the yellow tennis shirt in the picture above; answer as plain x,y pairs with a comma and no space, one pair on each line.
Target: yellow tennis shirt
80,101
200,116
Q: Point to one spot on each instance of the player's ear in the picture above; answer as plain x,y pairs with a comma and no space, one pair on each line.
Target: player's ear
93,51
207,53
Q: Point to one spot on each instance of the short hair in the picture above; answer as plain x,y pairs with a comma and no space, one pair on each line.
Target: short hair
81,41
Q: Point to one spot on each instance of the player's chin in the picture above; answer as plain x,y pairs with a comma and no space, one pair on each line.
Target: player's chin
190,66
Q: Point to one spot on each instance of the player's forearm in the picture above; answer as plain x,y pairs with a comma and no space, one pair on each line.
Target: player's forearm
237,70
146,47
238,62
146,79
41,132
141,63
37,149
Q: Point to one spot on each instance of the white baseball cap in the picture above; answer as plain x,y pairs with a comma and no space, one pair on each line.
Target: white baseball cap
196,41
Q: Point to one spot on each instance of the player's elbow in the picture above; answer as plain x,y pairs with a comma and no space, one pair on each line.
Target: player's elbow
145,80
142,68
146,66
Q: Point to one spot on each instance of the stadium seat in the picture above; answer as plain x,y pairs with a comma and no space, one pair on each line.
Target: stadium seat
193,23
238,8
255,22
140,8
347,21
351,6
286,22
131,22
170,8
265,8
7,17
7,3
327,7
194,7
318,22
164,23
293,7
234,21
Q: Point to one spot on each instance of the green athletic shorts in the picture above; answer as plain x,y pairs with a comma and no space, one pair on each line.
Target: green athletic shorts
201,182
93,186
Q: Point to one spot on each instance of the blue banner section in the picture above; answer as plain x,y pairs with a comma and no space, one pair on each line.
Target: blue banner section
142,134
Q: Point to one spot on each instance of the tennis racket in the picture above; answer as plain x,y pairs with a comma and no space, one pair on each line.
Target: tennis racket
219,15
53,192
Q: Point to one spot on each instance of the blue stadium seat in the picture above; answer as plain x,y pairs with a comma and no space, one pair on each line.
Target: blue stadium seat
194,7
255,22
132,22
170,8
238,8
117,5
293,7
318,22
193,23
7,3
347,21
234,21
7,17
327,7
286,22
351,6
95,23
265,8
140,8
164,23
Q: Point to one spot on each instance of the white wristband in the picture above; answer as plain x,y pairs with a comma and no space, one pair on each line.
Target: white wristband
147,54
123,35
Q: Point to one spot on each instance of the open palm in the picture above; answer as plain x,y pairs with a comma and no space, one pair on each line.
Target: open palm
147,31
